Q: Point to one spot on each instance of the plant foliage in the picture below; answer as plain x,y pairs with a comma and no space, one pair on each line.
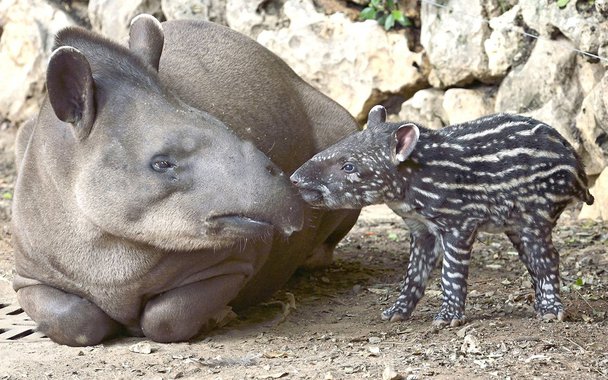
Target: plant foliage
386,12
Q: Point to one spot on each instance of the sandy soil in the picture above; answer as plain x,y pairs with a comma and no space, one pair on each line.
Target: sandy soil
326,323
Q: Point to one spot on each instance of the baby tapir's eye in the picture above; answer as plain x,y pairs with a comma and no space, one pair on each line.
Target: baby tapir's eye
162,163
349,168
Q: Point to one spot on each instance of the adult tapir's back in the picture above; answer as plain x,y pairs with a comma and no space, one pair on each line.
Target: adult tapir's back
253,91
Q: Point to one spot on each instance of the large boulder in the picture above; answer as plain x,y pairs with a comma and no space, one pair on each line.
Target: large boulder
579,21
425,108
113,17
599,208
547,92
453,37
211,10
251,17
593,126
506,46
348,61
466,104
29,29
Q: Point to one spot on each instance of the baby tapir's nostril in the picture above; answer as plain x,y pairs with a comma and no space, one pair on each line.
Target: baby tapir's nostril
294,179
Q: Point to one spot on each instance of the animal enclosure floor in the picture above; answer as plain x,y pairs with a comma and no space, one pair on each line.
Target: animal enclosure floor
326,323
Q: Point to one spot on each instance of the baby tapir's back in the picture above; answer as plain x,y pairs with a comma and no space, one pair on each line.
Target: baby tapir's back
494,169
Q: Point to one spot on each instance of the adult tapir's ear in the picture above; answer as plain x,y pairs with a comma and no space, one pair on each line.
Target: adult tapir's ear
146,39
377,115
406,137
71,89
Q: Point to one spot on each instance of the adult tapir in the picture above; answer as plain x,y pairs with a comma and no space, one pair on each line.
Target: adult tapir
151,189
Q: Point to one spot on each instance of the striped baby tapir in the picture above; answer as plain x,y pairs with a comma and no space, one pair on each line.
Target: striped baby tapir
500,173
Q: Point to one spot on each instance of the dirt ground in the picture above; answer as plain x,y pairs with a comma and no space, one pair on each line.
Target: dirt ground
326,323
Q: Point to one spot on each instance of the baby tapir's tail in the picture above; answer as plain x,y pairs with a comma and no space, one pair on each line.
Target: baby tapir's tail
587,197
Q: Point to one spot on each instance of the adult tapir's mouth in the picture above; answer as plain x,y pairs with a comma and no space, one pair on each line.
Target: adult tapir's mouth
239,225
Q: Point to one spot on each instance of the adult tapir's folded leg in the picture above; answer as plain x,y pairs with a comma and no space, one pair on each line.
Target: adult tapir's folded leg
182,313
66,318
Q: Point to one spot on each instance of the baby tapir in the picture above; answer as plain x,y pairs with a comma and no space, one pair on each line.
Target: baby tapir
501,173
136,212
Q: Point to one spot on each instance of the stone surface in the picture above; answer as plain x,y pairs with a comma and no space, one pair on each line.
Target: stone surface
29,29
324,51
578,21
461,104
506,44
592,122
425,108
599,208
251,17
113,17
548,92
212,10
453,37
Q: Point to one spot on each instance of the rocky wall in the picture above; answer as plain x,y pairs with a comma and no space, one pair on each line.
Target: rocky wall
462,59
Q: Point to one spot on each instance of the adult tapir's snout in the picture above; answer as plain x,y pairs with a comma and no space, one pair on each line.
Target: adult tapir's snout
259,195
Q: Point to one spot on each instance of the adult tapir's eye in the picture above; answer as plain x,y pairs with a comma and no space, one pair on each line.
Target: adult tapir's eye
349,168
162,164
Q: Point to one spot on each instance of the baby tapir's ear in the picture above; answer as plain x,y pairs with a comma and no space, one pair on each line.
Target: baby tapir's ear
71,89
146,39
377,115
407,137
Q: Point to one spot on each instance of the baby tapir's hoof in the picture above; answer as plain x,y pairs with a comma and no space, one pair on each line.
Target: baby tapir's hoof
396,313
549,316
449,316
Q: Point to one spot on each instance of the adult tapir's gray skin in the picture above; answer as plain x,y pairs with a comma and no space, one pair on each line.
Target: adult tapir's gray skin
134,212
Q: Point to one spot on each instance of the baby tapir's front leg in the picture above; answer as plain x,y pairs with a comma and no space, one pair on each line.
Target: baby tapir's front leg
454,274
425,249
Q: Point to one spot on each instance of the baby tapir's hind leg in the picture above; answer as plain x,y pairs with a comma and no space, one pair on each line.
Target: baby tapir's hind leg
66,318
455,271
536,250
424,252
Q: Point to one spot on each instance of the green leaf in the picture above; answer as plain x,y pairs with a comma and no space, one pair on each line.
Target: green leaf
390,4
392,236
389,22
375,3
7,196
368,14
562,3
579,282
400,18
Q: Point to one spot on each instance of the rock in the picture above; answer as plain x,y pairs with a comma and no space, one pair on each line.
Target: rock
455,46
591,122
142,348
585,27
548,92
599,208
322,49
506,44
113,17
425,108
462,104
389,373
251,17
29,29
211,10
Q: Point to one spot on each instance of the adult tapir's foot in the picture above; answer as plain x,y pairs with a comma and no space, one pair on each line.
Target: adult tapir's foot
66,318
182,313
